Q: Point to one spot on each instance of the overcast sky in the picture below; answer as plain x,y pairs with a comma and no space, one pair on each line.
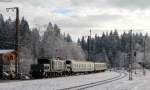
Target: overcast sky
77,17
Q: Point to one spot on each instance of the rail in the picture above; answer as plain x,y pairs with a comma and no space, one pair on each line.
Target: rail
93,84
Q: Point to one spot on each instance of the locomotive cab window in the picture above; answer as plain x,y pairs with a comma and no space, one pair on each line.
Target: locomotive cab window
46,67
43,61
68,62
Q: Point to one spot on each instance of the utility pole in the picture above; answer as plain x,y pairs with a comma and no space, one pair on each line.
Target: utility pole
17,62
89,46
130,57
144,72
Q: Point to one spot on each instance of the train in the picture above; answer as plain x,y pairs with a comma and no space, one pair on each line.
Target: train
47,67
53,67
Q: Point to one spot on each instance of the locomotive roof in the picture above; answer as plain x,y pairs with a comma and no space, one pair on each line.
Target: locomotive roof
78,60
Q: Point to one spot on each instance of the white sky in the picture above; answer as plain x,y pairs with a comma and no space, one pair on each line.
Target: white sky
77,17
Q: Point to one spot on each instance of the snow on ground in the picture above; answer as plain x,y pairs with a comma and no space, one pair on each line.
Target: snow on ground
139,82
57,83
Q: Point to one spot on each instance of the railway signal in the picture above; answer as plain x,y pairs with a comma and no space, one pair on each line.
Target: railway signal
135,61
17,40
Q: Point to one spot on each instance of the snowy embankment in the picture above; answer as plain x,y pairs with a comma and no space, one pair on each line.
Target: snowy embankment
57,83
139,82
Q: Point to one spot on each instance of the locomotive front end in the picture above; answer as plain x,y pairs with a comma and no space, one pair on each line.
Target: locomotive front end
38,70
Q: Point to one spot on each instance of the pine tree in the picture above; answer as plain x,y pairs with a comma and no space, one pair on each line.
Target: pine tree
2,33
68,38
25,34
35,36
56,30
79,41
83,43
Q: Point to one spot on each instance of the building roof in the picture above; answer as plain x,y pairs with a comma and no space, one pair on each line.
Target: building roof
2,51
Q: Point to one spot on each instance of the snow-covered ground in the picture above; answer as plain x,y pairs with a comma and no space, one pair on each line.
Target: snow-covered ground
56,83
139,82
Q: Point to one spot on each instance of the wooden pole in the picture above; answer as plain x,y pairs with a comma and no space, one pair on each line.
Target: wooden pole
144,72
130,57
17,62
17,43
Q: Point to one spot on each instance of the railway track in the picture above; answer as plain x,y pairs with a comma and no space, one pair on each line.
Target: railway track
93,84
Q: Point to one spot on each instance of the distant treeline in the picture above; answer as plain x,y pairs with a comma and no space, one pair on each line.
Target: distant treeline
104,48
110,43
